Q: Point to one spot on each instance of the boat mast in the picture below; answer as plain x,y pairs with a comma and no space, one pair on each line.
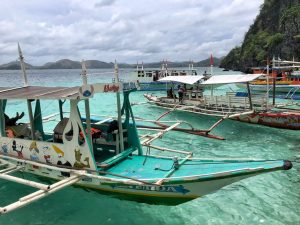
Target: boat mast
23,66
86,102
29,106
119,109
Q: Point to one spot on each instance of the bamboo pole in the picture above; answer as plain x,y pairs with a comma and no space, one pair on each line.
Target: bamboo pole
29,106
170,150
35,196
24,181
87,105
120,125
161,133
228,117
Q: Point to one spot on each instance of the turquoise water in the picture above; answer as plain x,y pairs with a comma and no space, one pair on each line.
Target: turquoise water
272,198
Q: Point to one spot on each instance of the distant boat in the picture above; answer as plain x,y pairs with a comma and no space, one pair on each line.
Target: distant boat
286,75
225,70
241,106
147,78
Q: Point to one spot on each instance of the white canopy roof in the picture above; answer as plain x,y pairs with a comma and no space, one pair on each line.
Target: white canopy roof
228,79
182,79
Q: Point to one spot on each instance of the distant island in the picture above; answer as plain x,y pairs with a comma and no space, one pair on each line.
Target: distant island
95,64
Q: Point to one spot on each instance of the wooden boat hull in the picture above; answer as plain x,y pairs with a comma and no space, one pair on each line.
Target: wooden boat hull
175,189
280,119
285,120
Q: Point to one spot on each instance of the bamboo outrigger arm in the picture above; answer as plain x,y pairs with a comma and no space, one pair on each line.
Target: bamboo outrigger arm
44,190
159,134
228,117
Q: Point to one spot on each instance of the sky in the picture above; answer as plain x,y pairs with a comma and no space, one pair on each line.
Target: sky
125,30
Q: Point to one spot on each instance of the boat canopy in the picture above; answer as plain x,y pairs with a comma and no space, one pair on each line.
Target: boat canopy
42,92
183,79
228,79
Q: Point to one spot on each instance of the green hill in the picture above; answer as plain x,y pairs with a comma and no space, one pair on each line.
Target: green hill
275,32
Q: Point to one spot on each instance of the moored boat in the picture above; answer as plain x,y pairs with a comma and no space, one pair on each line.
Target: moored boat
147,78
285,74
242,106
105,156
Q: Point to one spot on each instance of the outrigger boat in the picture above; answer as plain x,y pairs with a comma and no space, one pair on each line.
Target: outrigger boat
242,106
147,78
283,77
107,157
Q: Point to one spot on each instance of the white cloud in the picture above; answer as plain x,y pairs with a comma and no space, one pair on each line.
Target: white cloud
125,30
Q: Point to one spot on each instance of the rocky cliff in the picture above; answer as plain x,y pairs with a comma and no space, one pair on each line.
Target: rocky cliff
275,32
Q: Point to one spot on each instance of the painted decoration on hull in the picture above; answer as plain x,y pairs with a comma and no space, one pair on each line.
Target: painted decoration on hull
154,188
45,152
291,121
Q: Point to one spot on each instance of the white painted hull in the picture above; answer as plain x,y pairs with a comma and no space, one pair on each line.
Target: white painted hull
164,194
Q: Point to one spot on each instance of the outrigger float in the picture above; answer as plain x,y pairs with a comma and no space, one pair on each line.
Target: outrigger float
247,107
103,156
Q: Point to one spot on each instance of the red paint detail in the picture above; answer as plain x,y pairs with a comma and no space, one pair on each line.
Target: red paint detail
279,120
211,60
111,88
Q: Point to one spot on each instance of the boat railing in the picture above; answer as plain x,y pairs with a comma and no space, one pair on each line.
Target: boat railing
231,101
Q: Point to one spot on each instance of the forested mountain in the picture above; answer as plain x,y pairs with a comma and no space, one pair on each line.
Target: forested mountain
275,32
95,64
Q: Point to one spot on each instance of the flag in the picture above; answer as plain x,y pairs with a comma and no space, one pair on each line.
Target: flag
211,60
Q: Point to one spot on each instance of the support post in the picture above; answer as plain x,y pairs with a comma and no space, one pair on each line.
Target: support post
249,96
86,103
268,80
2,119
121,139
61,113
274,89
29,106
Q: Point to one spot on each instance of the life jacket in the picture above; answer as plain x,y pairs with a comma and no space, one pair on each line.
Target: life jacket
96,133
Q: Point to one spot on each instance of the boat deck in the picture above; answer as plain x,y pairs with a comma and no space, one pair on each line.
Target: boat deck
156,168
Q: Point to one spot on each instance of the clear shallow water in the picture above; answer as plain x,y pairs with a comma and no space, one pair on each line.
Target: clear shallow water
272,198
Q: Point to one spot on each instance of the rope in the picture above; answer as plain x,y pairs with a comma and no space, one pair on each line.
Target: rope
146,156
166,170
